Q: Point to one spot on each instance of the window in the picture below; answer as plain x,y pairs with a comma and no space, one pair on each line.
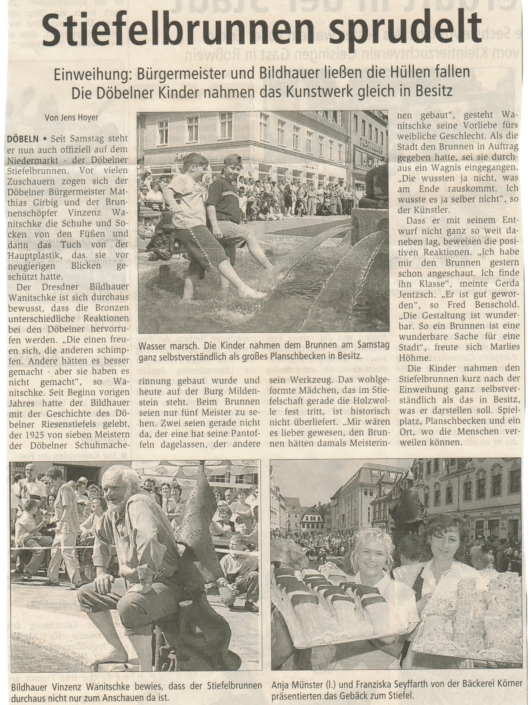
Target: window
340,153
264,127
281,133
309,142
497,485
515,481
192,126
449,494
363,128
467,491
331,149
381,138
264,171
296,138
163,132
480,525
481,486
437,498
435,466
217,478
225,125
370,131
356,126
428,468
376,135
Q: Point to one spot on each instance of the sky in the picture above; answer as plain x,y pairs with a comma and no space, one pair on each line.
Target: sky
315,481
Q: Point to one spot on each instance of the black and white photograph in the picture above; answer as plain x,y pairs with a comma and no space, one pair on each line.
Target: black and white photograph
263,222
135,566
396,564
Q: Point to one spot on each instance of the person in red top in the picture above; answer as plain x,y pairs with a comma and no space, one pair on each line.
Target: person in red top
224,214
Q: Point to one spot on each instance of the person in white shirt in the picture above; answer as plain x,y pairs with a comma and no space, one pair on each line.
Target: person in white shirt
31,488
64,544
446,535
27,536
372,559
240,573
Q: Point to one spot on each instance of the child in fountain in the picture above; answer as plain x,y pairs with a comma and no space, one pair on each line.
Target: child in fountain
184,196
224,214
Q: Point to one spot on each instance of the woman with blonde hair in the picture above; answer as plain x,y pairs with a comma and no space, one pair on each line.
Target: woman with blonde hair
390,603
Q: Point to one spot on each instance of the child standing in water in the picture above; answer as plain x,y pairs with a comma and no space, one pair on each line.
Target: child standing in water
185,199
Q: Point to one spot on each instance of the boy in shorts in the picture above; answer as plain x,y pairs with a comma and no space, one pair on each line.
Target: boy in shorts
184,196
224,214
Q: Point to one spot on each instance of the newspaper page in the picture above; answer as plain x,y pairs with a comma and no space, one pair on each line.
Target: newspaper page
265,344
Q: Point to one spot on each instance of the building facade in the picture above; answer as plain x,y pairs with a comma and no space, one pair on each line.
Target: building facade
313,519
299,146
293,514
485,491
351,505
369,139
277,507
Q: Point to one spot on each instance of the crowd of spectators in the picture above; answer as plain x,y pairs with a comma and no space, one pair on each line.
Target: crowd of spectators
259,199
48,512
493,553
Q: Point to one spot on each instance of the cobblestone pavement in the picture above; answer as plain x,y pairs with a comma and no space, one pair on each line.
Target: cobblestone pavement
48,628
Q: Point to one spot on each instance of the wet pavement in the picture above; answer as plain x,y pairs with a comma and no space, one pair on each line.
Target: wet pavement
291,295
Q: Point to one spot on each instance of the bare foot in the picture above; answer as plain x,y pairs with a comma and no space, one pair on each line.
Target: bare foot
249,293
112,656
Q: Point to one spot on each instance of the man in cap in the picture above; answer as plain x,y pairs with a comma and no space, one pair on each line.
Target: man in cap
224,214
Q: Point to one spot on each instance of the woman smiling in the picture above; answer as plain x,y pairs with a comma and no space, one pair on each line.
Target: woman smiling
390,604
446,536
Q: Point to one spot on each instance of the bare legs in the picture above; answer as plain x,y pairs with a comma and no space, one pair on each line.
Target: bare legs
226,269
256,251
117,653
